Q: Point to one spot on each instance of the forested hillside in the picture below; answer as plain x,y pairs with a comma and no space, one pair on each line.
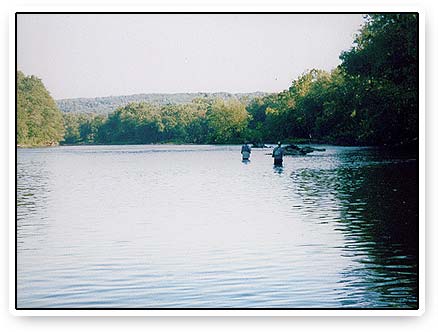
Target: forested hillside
105,105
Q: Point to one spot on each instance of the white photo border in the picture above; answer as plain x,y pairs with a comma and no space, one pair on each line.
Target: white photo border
212,311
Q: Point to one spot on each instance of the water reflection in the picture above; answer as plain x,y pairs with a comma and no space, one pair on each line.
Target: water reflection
278,169
32,197
374,203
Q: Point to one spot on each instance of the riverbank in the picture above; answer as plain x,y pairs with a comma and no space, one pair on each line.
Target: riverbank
410,147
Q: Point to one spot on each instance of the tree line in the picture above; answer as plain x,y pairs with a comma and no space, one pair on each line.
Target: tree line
202,121
371,98
105,105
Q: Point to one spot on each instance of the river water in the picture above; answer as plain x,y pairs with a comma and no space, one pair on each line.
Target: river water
182,226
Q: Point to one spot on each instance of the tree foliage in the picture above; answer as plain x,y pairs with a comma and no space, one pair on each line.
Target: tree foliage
371,98
384,64
39,121
226,121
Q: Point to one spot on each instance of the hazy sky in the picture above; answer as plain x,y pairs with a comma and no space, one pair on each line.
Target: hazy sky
79,55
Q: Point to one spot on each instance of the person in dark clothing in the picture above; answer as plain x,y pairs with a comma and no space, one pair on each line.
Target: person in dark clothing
245,151
277,154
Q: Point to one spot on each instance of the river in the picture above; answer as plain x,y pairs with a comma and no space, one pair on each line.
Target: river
183,226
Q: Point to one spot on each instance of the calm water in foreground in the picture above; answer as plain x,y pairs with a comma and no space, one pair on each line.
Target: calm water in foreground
192,226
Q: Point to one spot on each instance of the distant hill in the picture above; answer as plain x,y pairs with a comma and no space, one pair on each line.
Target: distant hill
105,105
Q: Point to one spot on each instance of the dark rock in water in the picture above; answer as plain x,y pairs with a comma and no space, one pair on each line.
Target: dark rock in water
309,149
292,150
260,145
296,150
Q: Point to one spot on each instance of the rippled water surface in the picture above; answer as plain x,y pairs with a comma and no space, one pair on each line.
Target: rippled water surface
192,226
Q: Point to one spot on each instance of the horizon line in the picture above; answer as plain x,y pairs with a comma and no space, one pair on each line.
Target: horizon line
168,93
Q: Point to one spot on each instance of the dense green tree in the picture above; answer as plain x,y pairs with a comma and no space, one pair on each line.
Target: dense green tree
338,121
227,121
82,128
71,125
134,123
39,121
384,61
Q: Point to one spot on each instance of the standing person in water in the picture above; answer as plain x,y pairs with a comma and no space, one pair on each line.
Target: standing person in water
277,154
245,151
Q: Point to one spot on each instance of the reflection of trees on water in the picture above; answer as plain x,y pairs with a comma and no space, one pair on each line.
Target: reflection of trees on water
375,206
32,196
278,169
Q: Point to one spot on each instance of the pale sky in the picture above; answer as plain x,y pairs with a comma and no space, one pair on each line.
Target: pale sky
96,55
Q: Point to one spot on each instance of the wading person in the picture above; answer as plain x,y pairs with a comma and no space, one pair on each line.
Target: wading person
245,151
277,154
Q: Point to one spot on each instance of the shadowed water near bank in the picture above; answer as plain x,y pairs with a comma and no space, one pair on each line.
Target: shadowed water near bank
192,226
